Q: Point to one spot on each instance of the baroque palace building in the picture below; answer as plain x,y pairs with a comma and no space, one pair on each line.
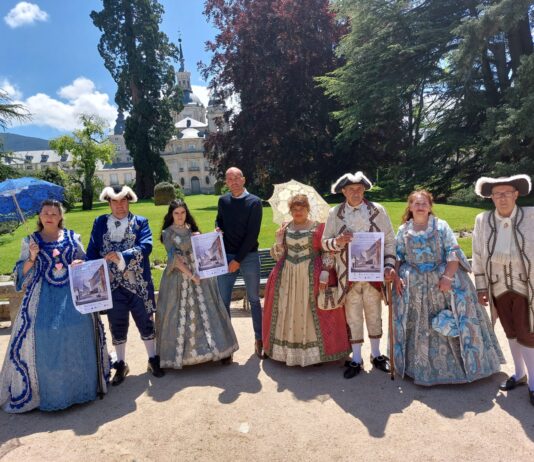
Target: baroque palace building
184,153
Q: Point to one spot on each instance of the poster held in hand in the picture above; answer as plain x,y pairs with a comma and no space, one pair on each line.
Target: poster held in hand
90,287
366,257
209,255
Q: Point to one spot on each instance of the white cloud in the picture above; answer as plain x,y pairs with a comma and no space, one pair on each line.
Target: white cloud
25,13
203,93
10,89
79,97
80,86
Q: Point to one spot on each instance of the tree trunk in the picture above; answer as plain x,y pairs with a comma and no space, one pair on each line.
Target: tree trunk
499,58
87,198
489,83
144,172
519,43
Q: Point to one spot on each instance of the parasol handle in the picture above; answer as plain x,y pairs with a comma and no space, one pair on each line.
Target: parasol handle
19,210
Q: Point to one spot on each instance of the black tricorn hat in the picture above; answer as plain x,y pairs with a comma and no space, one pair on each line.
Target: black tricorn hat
350,178
521,183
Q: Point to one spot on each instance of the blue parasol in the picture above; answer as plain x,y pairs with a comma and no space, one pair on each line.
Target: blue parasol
22,197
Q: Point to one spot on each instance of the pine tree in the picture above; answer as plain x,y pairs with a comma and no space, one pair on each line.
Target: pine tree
138,56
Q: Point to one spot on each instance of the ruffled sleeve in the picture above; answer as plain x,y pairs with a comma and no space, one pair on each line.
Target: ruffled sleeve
278,251
451,249
22,279
80,251
400,245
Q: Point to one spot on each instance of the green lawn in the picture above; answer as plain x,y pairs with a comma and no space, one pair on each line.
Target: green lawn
204,209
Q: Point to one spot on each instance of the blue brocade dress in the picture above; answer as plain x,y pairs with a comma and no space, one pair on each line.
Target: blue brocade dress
422,353
56,356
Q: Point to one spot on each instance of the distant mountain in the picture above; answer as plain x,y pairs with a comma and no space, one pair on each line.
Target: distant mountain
11,142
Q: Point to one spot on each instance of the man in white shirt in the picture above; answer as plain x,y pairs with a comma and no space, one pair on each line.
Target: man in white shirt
357,214
503,264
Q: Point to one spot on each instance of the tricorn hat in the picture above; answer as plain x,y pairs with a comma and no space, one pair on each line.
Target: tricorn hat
117,193
521,183
349,178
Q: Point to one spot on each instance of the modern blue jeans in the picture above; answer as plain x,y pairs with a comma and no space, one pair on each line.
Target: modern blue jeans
250,269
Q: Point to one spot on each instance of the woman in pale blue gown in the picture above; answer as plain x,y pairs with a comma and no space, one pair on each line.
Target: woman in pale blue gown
442,334
192,324
56,356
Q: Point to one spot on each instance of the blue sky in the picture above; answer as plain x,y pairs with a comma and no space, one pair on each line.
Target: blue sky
50,63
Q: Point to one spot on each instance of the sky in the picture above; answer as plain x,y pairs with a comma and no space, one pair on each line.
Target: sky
49,60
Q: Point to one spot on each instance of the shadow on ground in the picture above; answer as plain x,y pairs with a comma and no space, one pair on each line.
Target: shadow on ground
372,397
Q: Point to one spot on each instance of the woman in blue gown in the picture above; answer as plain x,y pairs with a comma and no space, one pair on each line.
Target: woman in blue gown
56,356
442,334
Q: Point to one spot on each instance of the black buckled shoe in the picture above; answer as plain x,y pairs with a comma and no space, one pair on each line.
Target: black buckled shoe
511,383
353,369
154,367
121,371
381,362
227,361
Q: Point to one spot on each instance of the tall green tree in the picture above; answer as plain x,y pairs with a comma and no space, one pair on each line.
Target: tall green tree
426,85
496,57
139,58
268,52
10,111
88,146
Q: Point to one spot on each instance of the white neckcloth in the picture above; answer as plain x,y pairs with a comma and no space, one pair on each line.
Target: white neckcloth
505,246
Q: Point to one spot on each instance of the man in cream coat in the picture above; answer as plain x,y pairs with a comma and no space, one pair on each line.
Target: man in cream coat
503,264
357,214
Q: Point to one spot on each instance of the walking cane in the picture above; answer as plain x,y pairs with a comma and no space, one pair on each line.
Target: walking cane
389,284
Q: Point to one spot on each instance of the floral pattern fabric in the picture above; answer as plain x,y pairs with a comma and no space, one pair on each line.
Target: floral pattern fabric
422,353
192,324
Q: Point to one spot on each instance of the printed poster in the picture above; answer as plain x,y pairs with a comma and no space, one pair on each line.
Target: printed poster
90,287
366,257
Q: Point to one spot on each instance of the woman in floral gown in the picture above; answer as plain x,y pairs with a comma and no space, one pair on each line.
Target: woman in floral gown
442,334
56,356
295,330
192,324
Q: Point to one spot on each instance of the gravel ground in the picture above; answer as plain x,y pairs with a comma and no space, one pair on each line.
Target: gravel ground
263,410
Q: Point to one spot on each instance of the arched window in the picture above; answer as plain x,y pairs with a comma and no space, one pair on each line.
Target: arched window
207,180
182,182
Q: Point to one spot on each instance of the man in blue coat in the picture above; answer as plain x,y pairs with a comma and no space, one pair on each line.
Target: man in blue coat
124,240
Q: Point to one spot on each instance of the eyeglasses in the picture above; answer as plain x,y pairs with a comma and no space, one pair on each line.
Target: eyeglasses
500,195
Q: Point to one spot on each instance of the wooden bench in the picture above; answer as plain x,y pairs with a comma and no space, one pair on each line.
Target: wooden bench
267,263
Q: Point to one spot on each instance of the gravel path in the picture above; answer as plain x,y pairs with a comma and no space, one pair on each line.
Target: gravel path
261,410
